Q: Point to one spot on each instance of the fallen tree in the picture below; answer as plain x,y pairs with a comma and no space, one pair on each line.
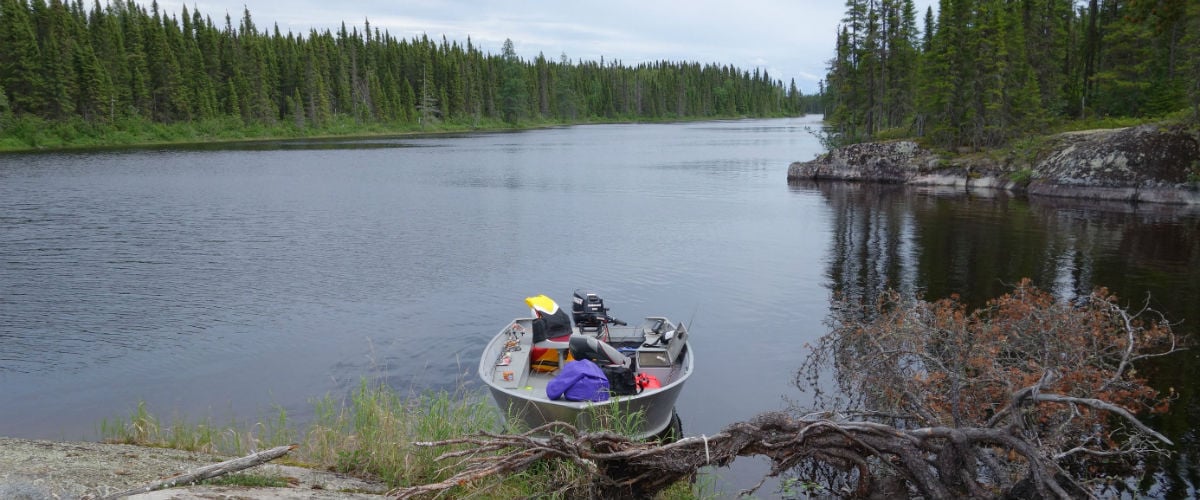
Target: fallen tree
1061,374
1028,396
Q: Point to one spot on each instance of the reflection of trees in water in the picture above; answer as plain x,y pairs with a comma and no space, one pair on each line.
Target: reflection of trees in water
872,247
977,246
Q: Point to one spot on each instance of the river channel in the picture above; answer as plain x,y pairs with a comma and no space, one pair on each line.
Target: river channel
227,281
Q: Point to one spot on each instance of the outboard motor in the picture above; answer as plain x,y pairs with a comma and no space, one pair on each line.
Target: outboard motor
589,313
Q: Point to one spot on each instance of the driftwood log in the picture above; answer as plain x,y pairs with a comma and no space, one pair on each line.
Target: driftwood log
210,471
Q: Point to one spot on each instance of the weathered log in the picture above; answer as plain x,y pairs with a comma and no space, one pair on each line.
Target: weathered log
210,471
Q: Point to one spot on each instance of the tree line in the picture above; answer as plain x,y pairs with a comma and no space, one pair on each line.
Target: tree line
986,71
62,61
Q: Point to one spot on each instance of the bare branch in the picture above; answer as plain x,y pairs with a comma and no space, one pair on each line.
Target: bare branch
1106,406
210,471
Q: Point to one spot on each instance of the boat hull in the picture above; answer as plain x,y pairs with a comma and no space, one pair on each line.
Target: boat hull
657,410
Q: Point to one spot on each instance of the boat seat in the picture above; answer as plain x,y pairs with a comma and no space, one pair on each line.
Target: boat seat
591,348
559,345
551,344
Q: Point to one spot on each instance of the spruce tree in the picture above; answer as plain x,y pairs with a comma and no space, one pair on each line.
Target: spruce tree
1191,40
512,93
5,108
58,61
21,59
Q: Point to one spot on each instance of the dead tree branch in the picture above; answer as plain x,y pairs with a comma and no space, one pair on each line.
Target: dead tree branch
210,471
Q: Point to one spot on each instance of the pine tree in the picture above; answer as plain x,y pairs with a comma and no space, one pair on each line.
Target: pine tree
512,93
428,104
20,60
1047,24
944,76
5,109
407,102
1191,40
1122,79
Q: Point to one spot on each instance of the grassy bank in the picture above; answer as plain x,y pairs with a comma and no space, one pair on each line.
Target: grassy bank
370,434
30,133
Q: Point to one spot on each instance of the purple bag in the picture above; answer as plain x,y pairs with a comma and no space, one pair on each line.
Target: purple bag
579,381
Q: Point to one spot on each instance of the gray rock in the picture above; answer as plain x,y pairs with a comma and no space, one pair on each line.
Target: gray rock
36,470
898,162
1147,163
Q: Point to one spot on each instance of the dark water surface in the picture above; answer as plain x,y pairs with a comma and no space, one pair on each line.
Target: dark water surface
229,280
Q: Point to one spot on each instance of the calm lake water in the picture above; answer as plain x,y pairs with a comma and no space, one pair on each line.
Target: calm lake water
230,280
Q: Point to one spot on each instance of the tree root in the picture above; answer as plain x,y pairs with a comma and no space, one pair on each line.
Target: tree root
930,461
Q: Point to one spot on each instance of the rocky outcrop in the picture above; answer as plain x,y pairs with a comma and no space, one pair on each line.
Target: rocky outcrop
1145,164
898,161
51,469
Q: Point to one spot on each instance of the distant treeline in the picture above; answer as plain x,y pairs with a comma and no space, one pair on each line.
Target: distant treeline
61,61
987,71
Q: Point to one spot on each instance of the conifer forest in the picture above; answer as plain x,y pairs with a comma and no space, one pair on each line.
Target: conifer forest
105,63
983,72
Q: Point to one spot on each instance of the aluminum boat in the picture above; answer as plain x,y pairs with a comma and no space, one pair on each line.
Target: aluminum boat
519,364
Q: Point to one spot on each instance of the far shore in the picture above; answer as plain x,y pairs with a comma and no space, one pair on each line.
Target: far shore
144,135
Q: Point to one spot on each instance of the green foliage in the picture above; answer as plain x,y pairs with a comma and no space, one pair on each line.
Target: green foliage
1023,176
989,71
5,109
141,428
140,75
247,481
513,100
144,428
374,433
792,487
616,417
1098,123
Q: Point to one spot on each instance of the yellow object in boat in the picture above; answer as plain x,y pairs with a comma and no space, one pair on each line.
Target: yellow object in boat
542,303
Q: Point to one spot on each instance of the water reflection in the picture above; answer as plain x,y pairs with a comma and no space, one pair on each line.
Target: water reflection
976,244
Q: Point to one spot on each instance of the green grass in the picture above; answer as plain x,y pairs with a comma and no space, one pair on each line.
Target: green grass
1100,123
247,480
373,433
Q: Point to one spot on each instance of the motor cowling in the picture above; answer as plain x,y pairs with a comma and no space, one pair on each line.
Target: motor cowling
588,311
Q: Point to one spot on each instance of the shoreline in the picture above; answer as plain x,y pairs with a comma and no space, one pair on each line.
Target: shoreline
188,135
82,469
1143,164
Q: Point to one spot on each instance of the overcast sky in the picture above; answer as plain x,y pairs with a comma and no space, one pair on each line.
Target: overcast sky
787,38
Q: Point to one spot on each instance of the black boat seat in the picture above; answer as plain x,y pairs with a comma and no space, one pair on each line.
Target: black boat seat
591,348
